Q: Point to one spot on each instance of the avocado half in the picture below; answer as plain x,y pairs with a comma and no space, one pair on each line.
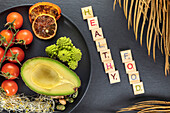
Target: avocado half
49,77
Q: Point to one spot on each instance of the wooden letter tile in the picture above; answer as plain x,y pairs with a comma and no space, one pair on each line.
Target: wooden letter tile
109,66
130,67
138,88
97,34
105,55
114,77
126,56
93,23
87,12
101,44
134,77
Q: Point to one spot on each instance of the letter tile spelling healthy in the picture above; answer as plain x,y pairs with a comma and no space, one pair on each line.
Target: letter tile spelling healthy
101,44
87,12
109,66
114,77
105,55
97,34
93,23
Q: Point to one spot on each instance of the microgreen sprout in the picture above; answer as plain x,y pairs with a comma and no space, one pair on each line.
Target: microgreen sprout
2,91
22,103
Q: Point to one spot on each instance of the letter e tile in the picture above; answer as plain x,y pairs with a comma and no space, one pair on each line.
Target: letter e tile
134,77
87,12
109,66
101,44
93,23
126,56
114,77
138,88
97,34
105,55
130,67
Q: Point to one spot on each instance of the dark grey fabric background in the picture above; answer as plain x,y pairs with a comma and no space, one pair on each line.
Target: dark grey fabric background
102,97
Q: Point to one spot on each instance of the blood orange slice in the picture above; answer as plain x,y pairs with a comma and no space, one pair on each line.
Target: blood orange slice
44,26
44,8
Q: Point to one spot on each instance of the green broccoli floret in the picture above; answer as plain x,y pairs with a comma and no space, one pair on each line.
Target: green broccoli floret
76,54
64,43
73,64
64,55
51,51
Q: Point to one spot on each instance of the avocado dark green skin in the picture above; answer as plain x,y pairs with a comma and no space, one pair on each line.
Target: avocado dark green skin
37,90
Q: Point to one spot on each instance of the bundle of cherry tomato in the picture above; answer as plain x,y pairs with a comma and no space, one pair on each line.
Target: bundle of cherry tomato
13,54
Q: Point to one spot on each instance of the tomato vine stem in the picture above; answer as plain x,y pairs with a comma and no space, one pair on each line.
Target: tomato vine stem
11,28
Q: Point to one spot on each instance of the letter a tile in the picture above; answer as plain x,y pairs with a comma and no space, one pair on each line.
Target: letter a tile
114,77
134,77
138,88
109,66
130,67
105,55
126,56
97,34
87,12
101,44
93,23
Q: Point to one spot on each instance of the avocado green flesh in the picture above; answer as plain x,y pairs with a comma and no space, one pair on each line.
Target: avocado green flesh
50,77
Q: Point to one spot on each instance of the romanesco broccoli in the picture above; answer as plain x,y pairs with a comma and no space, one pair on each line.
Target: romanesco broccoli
65,51
73,64
76,54
51,51
64,43
64,55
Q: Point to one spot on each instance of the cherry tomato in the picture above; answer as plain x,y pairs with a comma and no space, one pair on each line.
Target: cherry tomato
17,17
10,87
2,51
25,35
16,50
12,69
8,36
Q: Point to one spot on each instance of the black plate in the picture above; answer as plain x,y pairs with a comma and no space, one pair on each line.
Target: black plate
65,28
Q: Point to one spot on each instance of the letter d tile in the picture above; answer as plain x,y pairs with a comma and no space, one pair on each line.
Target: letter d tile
138,88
